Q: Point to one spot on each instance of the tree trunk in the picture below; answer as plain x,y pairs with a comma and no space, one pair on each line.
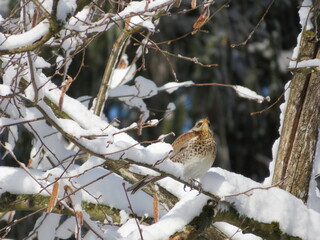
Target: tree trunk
299,134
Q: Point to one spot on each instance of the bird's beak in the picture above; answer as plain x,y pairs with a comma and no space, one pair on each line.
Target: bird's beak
205,126
205,121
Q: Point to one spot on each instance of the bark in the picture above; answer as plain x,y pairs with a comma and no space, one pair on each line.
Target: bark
299,134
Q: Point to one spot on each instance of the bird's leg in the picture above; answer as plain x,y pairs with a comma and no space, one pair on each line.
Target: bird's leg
184,187
194,183
191,185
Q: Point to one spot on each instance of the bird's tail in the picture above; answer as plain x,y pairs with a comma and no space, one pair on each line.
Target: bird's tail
143,182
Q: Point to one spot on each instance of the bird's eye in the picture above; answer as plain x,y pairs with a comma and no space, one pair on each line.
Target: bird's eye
198,124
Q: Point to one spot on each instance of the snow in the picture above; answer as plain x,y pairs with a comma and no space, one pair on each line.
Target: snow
47,226
102,189
78,112
134,8
133,95
124,216
305,15
63,231
171,107
249,94
305,63
121,76
235,232
7,121
314,194
143,88
17,181
265,205
4,6
174,187
65,8
143,170
143,6
153,122
173,86
41,63
8,78
180,215
8,42
123,91
142,21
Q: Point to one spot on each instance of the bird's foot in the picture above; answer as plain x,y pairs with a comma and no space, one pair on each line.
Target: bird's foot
194,183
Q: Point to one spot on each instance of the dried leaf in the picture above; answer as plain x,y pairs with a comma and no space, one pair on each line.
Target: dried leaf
67,189
127,23
147,5
202,19
139,125
121,5
79,217
155,205
193,4
10,216
122,64
29,163
34,19
53,198
64,89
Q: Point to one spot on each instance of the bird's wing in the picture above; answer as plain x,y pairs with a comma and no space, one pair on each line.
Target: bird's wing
181,143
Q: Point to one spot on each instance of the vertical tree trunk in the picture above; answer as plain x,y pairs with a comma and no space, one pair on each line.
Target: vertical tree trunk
299,134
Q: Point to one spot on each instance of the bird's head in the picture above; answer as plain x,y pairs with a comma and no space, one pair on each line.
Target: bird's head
203,126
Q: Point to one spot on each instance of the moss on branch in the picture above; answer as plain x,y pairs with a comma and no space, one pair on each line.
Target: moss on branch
24,202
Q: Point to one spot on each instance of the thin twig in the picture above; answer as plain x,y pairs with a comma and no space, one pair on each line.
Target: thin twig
257,188
254,29
166,54
272,105
43,10
22,122
131,209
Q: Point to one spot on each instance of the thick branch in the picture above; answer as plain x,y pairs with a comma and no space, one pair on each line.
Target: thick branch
31,47
200,226
300,126
105,83
12,202
270,231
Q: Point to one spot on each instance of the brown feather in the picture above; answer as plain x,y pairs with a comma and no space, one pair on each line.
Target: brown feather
182,141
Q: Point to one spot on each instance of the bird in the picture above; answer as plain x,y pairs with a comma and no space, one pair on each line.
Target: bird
194,149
